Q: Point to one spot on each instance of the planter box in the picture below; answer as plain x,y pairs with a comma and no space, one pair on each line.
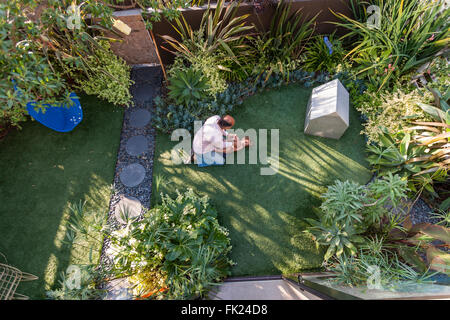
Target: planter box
309,8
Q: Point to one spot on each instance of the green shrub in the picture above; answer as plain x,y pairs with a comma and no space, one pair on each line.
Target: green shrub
317,56
169,116
182,238
279,49
391,110
216,44
391,273
350,211
108,78
205,65
40,53
177,250
187,86
86,289
27,74
438,74
410,33
370,239
419,152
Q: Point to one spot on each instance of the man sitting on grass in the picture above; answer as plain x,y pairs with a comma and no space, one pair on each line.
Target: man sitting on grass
212,142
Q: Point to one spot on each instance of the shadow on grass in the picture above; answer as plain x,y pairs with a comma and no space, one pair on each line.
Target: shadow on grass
264,214
41,173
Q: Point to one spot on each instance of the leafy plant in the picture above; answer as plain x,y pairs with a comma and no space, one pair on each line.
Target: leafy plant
318,57
183,239
86,289
167,9
187,86
420,152
177,250
343,202
410,33
205,65
351,210
39,48
337,238
169,116
398,154
219,35
392,273
391,111
438,74
443,214
108,78
280,47
423,237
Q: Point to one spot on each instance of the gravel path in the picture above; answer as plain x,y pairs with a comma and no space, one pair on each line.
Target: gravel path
420,211
133,172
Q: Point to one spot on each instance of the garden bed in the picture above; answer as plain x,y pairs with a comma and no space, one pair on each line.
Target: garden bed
264,214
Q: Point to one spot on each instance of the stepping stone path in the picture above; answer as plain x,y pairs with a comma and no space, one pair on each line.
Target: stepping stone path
127,207
133,178
132,175
137,145
139,118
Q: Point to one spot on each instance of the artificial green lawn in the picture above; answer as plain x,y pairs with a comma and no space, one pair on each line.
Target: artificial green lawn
41,172
264,213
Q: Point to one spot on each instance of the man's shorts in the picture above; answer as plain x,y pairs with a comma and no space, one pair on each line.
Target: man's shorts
210,159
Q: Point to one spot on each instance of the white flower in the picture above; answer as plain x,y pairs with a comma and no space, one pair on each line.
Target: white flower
121,233
132,242
142,263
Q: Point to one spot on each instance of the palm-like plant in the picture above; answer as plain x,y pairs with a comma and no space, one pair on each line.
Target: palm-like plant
410,33
318,56
285,41
220,31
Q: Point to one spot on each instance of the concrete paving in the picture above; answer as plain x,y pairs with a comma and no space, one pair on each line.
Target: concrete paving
260,290
127,207
140,117
132,175
137,145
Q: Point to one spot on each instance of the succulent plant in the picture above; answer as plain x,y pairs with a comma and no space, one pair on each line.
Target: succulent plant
187,86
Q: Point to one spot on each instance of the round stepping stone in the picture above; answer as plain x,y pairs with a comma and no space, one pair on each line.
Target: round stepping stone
132,175
137,145
139,118
127,207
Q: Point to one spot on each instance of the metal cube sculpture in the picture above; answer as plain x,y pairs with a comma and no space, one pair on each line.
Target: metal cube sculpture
327,114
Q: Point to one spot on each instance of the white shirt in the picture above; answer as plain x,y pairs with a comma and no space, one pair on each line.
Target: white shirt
210,137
